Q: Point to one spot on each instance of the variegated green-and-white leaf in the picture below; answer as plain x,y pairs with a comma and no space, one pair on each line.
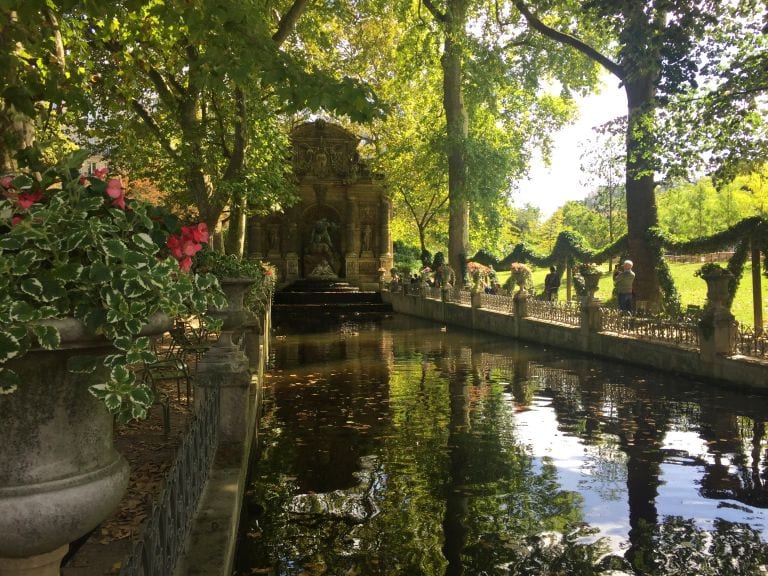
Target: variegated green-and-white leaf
47,336
23,312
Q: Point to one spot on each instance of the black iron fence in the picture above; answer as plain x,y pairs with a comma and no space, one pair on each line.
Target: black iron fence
163,535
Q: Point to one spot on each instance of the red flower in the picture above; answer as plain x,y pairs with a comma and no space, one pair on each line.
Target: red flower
186,263
26,199
6,182
198,233
101,173
174,245
115,191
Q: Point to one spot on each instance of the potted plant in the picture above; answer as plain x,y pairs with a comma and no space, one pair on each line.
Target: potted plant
591,275
521,275
247,284
84,271
718,281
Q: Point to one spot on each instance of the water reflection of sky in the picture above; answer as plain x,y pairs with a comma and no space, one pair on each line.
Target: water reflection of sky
601,478
605,498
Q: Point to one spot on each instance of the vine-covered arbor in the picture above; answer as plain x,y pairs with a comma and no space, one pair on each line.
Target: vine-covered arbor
747,239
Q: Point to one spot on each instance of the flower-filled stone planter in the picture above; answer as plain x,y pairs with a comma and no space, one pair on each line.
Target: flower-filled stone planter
59,472
78,258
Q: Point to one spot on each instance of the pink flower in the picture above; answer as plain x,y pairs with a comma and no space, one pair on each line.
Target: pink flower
191,248
101,173
16,220
199,232
174,245
186,263
26,199
6,182
115,191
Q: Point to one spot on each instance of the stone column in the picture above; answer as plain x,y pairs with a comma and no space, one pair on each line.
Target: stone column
292,249
226,367
353,238
385,238
353,224
255,232
591,321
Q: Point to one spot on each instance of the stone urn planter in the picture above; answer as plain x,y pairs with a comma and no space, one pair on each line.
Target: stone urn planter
717,290
60,474
234,314
591,285
717,328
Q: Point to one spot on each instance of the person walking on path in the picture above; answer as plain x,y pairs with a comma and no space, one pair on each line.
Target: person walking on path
551,284
623,282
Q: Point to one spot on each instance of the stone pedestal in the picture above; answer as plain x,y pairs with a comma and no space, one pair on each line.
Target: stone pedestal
717,327
225,366
520,300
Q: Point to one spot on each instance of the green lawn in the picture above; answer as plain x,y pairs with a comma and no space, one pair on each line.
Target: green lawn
693,290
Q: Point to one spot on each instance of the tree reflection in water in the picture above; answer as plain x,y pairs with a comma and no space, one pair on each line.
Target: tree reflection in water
405,451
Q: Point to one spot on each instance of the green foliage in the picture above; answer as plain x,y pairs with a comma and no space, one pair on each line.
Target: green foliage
570,247
230,266
68,249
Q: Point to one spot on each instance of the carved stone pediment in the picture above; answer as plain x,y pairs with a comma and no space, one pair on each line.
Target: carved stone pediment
326,151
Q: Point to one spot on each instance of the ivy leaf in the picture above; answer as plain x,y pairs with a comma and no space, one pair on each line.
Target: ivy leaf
115,248
122,376
83,364
47,336
100,273
32,287
23,312
9,381
145,242
112,401
142,396
10,346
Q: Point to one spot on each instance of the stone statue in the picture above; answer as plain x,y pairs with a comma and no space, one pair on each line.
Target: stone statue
320,241
365,238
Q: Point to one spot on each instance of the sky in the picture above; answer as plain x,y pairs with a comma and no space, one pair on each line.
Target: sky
550,187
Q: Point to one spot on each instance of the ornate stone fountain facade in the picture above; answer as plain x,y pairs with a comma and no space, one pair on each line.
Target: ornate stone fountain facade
340,227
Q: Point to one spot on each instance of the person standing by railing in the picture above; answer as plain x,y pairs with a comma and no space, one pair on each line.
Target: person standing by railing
551,284
623,282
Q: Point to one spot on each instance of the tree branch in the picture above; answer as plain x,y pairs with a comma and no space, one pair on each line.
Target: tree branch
288,21
434,11
571,41
153,127
236,160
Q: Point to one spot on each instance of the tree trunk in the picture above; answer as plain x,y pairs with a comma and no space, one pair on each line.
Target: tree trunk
237,225
17,131
641,198
456,121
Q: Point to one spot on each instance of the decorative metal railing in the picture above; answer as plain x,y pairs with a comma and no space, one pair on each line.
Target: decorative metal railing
413,289
751,343
498,302
680,332
566,312
164,533
461,296
434,293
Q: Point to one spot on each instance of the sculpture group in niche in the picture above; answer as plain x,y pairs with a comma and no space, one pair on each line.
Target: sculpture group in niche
320,256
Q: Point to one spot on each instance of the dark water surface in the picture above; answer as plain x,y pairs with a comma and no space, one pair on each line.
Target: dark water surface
401,447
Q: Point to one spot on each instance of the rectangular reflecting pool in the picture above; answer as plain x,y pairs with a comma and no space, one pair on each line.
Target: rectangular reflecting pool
404,447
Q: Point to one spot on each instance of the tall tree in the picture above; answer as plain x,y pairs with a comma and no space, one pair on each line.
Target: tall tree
453,19
656,55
